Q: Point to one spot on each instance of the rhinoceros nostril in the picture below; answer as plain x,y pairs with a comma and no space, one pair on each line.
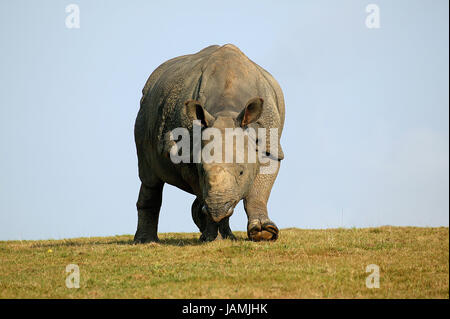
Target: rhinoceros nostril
230,211
228,206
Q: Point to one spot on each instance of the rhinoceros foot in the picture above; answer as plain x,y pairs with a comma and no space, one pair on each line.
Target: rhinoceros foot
206,237
210,230
262,229
142,238
228,235
225,230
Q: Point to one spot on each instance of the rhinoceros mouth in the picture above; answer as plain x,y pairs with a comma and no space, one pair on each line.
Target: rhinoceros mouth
220,211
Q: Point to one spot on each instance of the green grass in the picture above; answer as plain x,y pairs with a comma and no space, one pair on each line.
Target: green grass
414,263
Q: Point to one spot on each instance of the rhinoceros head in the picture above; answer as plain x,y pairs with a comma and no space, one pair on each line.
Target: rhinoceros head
225,181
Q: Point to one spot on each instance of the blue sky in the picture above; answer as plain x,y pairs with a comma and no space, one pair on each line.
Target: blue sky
366,136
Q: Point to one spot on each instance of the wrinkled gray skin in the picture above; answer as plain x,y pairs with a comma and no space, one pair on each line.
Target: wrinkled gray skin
220,87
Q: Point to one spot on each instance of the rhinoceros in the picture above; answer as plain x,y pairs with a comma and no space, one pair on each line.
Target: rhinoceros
218,87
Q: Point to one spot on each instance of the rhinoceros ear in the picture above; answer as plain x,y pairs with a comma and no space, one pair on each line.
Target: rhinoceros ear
251,112
195,111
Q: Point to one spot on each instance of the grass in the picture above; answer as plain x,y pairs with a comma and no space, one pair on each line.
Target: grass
414,263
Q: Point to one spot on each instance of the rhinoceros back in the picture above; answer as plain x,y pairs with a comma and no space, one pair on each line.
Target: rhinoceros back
221,78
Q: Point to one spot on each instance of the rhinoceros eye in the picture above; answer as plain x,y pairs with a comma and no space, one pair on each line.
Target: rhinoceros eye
241,172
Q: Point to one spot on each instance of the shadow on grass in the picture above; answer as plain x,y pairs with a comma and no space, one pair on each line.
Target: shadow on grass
193,241
75,243
171,241
180,242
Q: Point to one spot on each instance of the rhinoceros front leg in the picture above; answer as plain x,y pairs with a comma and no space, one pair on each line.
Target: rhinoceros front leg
259,226
225,230
148,205
207,226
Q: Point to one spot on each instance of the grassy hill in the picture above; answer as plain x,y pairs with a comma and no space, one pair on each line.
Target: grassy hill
414,263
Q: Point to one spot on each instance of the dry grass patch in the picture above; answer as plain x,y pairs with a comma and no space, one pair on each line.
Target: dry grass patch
414,263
